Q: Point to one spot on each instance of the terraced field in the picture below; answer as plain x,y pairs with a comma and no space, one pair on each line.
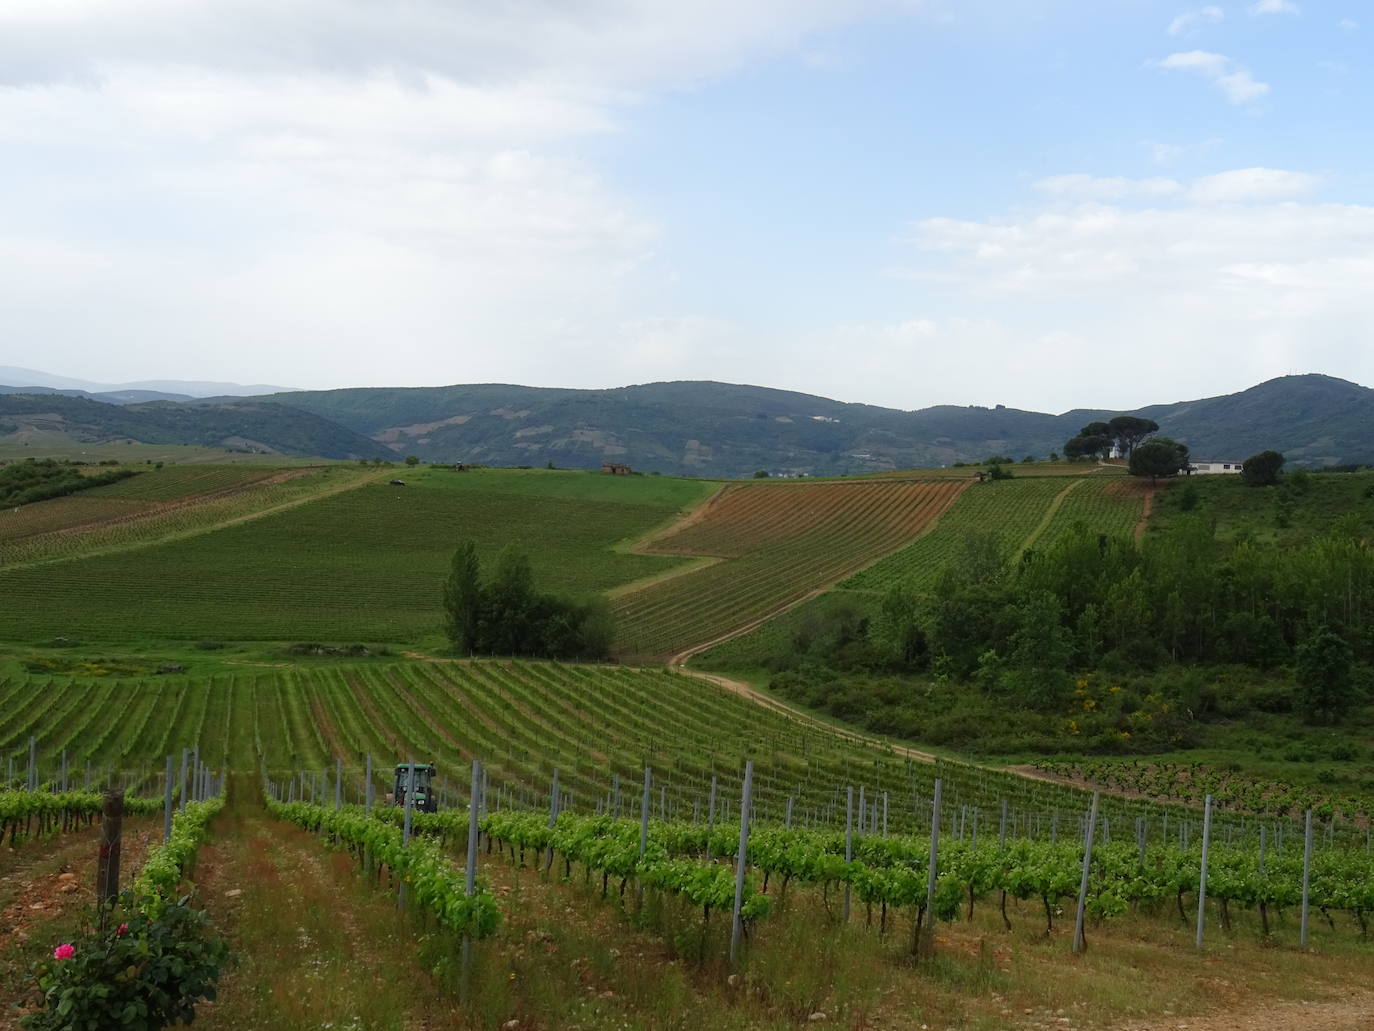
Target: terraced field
776,544
362,561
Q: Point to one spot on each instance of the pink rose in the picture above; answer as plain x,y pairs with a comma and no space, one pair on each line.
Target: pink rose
64,952
123,929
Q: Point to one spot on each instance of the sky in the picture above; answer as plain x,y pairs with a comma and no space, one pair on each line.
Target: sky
1046,204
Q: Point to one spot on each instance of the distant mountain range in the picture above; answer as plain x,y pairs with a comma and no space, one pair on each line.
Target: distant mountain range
127,393
703,428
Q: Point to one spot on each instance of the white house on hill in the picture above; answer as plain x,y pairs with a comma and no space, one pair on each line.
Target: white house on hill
1215,467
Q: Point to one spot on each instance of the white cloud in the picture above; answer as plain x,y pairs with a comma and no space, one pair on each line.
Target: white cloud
1219,295
1189,21
336,191
1235,81
1240,185
1274,7
1252,184
1088,187
1348,24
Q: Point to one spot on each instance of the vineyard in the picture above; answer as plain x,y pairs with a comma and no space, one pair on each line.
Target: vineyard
1018,514
598,726
362,561
838,852
776,544
158,505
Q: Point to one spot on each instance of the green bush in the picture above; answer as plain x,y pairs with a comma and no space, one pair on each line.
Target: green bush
145,972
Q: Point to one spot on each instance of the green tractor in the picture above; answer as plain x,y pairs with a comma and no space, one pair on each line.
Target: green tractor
420,777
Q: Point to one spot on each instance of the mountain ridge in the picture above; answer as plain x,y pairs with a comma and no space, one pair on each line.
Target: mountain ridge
21,377
714,429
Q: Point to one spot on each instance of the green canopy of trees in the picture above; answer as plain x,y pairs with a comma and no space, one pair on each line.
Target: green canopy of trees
1262,470
507,616
1097,439
1158,457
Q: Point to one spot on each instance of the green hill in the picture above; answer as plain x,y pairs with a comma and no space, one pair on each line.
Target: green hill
238,425
720,429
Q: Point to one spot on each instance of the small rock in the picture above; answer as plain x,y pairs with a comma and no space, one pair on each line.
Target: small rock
816,1017
511,1024
38,905
608,994
732,980
69,888
233,893
66,877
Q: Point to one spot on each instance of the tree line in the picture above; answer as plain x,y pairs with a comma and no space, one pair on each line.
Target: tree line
1093,601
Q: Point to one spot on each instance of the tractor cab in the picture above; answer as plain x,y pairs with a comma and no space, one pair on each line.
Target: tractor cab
419,777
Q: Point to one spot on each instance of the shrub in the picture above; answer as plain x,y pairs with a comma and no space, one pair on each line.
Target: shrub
144,972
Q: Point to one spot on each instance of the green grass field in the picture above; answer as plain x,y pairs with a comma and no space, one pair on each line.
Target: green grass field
1294,511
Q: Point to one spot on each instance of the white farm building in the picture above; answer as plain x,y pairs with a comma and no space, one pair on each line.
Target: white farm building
1215,467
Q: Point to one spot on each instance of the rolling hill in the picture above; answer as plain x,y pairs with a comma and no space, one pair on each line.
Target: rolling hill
238,426
719,429
696,428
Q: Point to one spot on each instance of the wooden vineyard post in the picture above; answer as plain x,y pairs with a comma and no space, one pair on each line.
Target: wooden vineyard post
553,818
643,829
107,859
470,882
181,798
1002,827
33,763
1079,942
367,785
338,784
64,771
787,823
1306,876
745,799
884,814
1202,872
848,841
711,819
405,826
167,804
927,946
